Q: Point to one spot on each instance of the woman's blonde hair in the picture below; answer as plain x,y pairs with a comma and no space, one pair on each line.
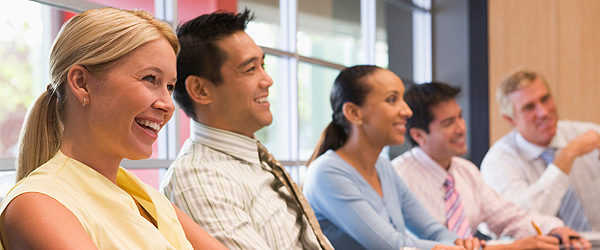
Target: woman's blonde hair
95,39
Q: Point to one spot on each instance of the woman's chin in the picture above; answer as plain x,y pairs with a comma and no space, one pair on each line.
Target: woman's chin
139,156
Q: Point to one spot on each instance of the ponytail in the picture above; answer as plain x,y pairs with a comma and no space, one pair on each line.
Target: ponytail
95,39
333,137
349,86
41,134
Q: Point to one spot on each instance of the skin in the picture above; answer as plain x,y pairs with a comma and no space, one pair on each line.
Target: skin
539,242
138,86
447,133
380,121
446,139
535,114
239,103
564,233
535,118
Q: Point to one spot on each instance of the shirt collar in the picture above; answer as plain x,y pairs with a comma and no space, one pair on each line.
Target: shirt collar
234,144
533,151
438,173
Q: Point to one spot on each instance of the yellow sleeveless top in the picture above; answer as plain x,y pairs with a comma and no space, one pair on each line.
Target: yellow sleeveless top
108,213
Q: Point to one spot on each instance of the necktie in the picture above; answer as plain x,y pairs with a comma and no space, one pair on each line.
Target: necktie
291,186
456,219
570,210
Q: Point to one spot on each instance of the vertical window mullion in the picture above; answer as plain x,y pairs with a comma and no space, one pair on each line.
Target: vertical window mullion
368,29
168,138
288,23
423,69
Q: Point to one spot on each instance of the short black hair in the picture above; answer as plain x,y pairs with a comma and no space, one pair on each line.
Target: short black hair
200,55
421,98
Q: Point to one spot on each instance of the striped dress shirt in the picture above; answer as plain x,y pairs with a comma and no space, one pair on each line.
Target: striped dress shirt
425,178
219,181
513,167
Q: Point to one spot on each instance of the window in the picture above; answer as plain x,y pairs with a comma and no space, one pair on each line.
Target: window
28,29
311,41
307,43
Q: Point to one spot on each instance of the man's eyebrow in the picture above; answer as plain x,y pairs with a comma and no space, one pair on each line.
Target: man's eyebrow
449,119
249,61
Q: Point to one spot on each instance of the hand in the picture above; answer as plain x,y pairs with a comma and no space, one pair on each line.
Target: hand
570,238
442,247
542,242
581,145
470,244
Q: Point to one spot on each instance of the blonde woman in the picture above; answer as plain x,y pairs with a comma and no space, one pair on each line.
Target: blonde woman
112,75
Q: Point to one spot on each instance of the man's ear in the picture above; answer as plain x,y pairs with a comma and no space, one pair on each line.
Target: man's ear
77,81
509,120
352,113
418,135
200,89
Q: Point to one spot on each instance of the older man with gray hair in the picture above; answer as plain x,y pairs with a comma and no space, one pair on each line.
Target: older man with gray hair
545,165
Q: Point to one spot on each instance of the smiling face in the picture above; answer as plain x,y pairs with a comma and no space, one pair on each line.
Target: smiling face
131,101
384,111
535,114
447,133
242,97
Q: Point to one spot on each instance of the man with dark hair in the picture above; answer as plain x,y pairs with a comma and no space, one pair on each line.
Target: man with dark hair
452,188
223,177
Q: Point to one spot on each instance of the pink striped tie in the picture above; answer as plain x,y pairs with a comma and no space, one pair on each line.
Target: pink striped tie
456,219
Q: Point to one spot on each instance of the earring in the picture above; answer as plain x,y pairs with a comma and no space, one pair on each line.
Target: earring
83,104
360,122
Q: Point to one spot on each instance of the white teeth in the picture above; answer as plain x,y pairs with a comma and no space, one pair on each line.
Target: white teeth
262,99
155,126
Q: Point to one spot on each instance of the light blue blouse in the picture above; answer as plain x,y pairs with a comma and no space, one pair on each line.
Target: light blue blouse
354,216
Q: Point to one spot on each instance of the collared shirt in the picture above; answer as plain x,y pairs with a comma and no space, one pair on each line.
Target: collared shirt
425,177
107,212
354,216
513,167
219,181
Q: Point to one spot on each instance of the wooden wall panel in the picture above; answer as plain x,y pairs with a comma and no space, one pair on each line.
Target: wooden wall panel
578,89
522,33
560,39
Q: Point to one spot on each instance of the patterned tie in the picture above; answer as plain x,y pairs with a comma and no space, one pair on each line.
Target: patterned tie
570,210
291,186
456,219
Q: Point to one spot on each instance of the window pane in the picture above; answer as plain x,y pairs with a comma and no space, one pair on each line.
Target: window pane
381,38
330,30
406,48
25,41
314,88
127,4
265,29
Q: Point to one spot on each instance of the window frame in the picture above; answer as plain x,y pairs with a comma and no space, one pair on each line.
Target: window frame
169,139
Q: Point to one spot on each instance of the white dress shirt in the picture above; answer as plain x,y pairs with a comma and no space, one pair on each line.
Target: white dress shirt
219,181
513,167
425,177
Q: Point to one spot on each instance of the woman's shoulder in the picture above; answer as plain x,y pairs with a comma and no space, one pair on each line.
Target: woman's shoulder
328,161
328,167
41,182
